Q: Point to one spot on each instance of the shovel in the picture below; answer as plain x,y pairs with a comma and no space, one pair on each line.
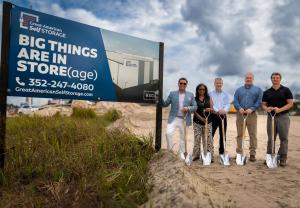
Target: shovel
206,156
224,158
241,159
188,157
272,159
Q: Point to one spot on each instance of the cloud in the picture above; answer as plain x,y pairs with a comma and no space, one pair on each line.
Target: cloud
223,27
153,20
286,32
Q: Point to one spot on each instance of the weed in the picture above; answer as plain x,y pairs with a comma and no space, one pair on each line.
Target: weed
64,161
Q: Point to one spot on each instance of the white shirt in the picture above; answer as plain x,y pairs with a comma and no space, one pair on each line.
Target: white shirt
181,100
221,100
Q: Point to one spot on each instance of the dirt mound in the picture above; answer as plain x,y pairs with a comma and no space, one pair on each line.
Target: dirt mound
177,185
52,110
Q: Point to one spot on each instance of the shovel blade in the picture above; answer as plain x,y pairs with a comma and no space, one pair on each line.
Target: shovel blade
224,159
238,159
244,159
241,159
206,159
271,161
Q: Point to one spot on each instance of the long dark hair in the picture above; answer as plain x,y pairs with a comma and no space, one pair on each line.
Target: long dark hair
205,93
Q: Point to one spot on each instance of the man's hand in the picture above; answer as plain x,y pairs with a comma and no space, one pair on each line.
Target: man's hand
276,109
185,109
200,117
242,111
221,112
269,109
249,111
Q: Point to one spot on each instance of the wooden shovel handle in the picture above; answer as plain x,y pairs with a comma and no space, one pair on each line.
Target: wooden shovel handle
205,135
274,134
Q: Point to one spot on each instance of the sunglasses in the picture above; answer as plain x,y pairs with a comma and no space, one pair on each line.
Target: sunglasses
182,83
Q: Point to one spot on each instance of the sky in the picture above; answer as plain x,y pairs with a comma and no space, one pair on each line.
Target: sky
203,39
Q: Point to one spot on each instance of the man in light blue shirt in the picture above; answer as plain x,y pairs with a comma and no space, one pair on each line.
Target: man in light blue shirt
247,100
221,106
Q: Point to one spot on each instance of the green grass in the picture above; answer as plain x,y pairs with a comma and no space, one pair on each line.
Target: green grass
73,162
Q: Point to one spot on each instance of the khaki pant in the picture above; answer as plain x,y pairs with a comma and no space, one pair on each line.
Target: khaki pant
251,125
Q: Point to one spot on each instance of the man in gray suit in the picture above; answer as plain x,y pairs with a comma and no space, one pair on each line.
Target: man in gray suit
182,105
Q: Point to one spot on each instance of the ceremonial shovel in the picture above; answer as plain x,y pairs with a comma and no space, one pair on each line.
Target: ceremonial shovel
224,158
241,159
272,159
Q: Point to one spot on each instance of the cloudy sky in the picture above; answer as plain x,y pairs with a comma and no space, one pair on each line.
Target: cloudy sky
203,39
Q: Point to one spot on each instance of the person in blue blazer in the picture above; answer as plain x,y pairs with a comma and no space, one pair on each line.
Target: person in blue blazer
182,105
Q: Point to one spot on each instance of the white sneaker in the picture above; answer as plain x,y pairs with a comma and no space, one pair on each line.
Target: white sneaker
181,156
189,159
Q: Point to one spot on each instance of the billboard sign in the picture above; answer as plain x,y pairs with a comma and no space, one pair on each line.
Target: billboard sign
52,57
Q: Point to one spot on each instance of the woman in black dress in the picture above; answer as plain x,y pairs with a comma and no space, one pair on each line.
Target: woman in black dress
205,104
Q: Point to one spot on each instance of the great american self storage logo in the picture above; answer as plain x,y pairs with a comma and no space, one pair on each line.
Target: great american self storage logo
26,18
32,23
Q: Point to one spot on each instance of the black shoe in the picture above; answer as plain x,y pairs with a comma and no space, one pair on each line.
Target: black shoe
252,158
196,158
212,160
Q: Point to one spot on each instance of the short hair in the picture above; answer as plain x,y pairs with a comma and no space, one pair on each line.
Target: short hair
218,79
249,73
182,78
275,74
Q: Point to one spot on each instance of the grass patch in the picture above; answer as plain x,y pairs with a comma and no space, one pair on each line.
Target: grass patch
73,161
83,113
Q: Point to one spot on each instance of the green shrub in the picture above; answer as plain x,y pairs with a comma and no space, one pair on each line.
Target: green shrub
112,115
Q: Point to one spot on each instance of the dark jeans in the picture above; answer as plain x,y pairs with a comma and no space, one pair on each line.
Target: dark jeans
217,122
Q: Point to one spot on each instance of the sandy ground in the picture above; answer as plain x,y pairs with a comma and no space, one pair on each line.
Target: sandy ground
178,185
252,185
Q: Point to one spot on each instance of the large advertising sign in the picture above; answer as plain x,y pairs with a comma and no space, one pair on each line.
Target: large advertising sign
52,57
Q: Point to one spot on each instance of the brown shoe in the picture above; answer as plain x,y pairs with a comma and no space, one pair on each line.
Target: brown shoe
252,158
283,162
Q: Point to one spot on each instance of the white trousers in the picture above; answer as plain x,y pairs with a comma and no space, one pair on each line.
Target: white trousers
177,123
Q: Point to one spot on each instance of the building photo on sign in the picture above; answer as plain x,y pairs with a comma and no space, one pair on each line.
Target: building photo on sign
134,66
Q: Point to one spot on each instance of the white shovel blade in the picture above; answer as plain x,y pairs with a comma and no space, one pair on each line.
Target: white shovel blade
276,159
206,159
271,161
244,159
224,159
241,159
238,159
